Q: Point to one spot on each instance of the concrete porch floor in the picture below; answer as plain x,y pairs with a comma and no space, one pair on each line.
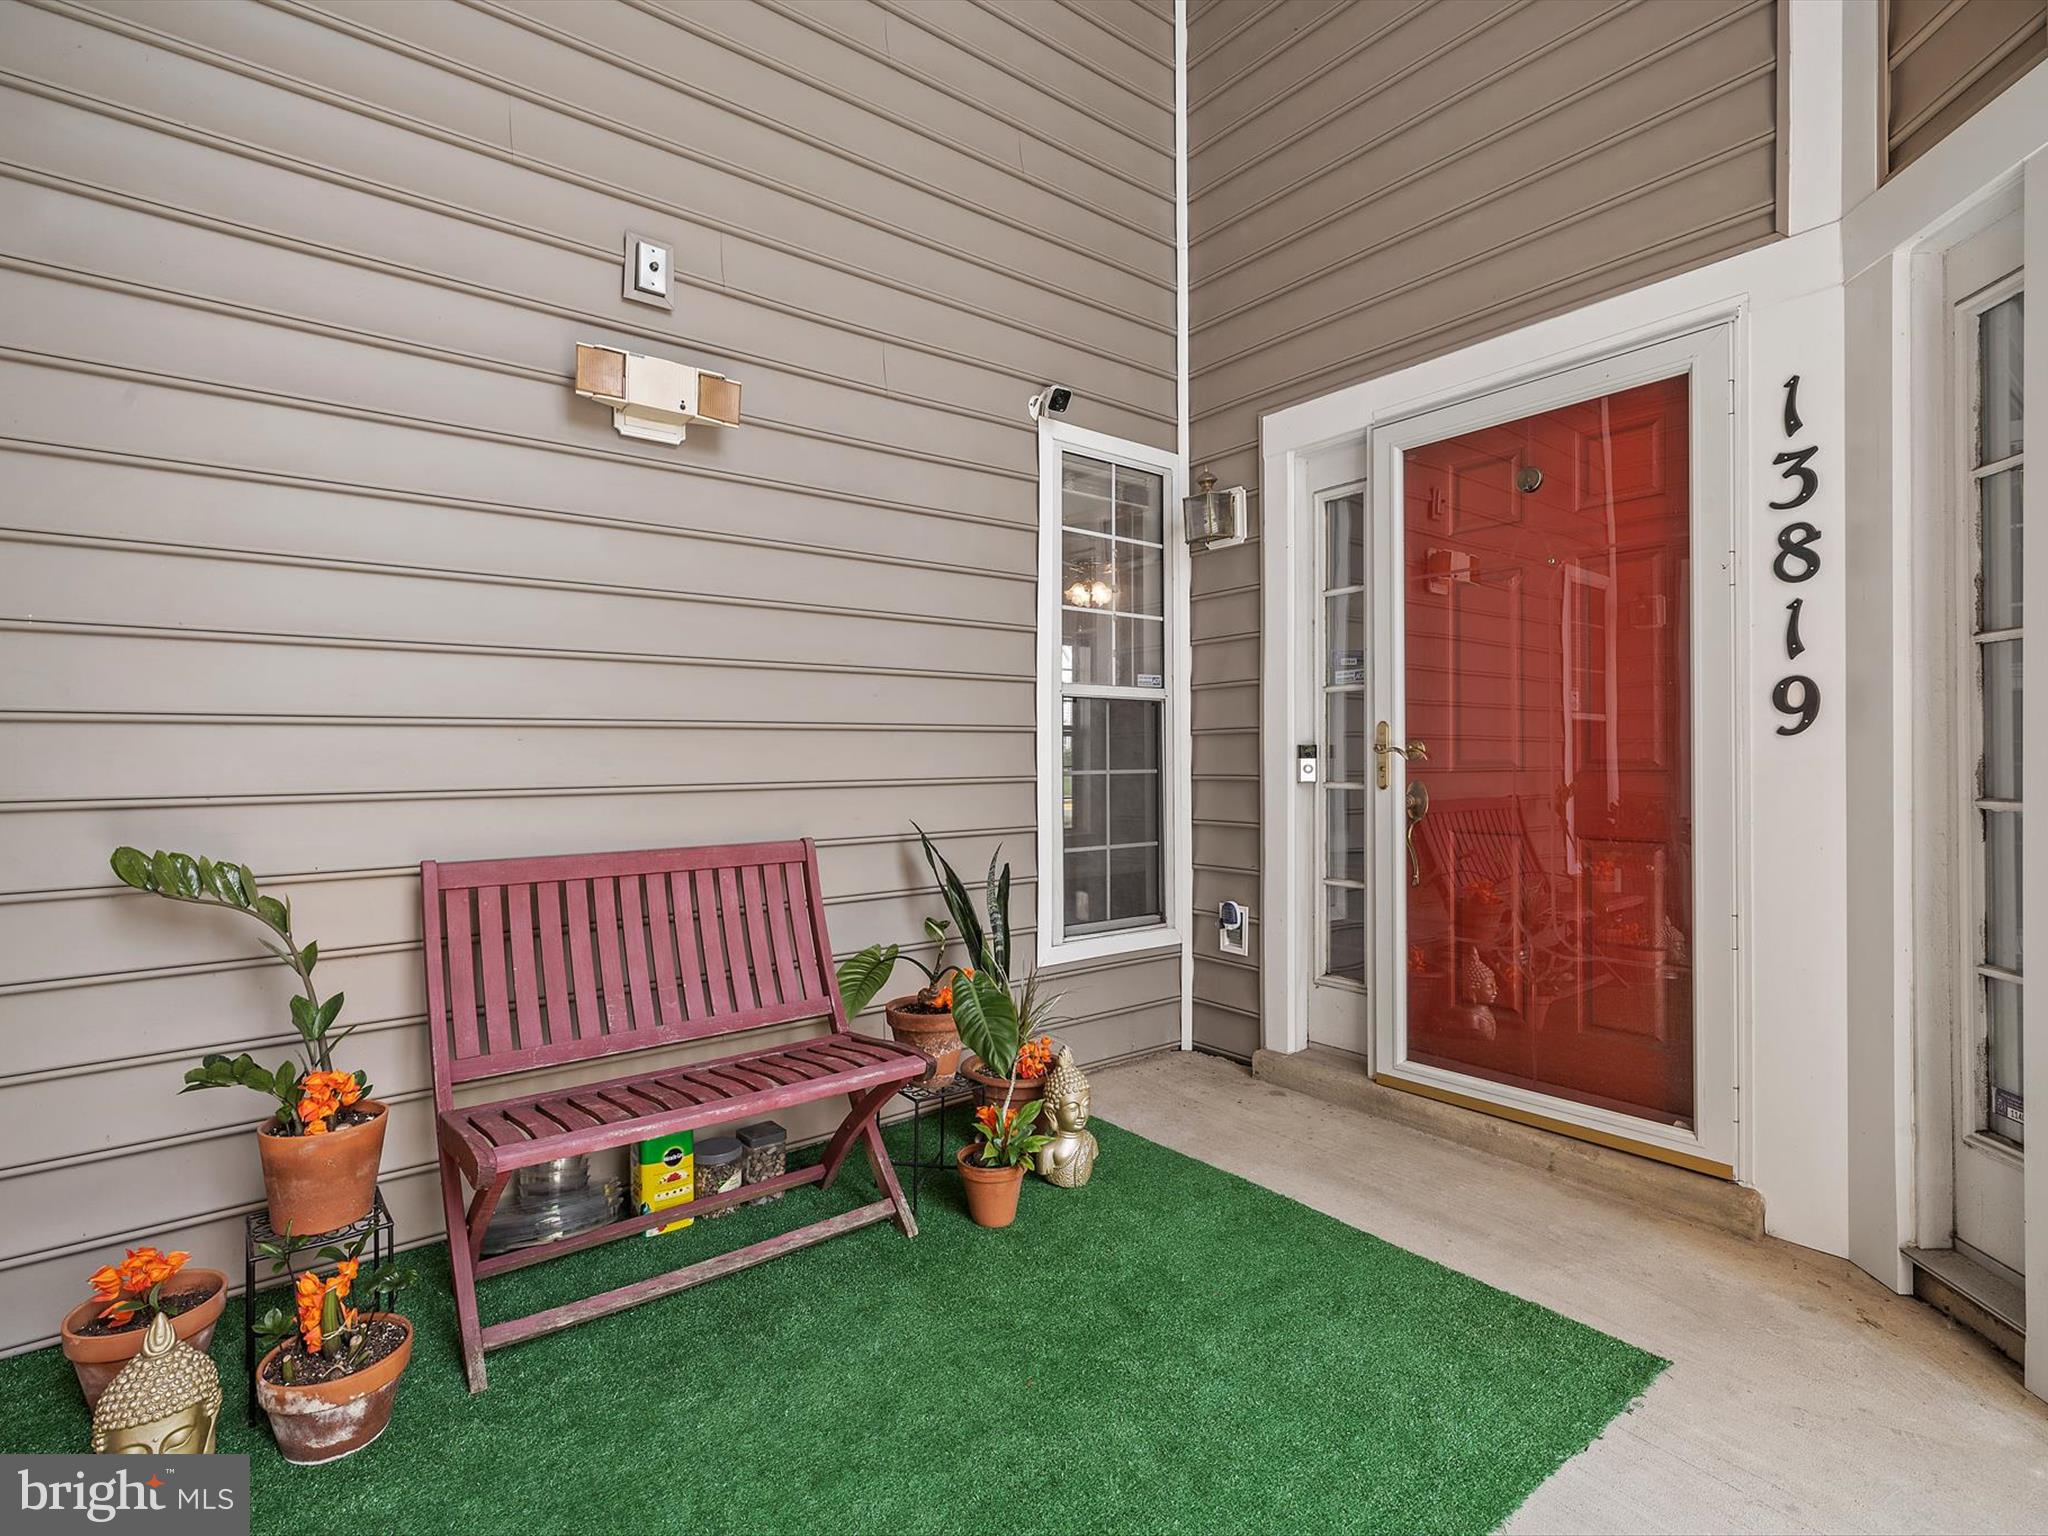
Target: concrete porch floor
1802,1396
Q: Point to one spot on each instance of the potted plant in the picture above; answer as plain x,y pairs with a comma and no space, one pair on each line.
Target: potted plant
330,1375
922,1019
103,1334
321,1147
1031,1058
992,1167
1034,1057
995,1025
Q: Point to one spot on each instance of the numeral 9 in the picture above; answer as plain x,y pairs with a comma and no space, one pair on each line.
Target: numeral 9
1807,709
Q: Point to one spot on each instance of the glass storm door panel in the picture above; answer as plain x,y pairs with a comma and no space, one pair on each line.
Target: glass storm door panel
1998,468
1545,573
1343,896
1990,1125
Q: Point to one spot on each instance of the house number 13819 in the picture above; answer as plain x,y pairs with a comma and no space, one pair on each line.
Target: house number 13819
1796,695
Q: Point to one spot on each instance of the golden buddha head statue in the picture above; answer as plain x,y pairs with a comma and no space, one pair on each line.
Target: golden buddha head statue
1066,1093
165,1402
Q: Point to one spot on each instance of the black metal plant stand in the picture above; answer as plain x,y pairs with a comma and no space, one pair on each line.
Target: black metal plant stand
382,1248
924,1101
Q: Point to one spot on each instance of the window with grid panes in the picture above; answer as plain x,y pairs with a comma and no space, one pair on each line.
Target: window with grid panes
1112,695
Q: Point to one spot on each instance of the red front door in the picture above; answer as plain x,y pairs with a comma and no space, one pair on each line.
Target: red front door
1545,571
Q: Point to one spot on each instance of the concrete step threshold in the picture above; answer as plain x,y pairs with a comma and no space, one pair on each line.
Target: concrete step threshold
1338,1077
1984,1297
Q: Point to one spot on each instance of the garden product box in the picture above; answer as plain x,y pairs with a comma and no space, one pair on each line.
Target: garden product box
664,1175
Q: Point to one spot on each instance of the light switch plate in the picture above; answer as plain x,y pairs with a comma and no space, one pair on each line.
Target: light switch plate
647,272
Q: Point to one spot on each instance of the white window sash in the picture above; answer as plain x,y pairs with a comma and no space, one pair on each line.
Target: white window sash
1056,439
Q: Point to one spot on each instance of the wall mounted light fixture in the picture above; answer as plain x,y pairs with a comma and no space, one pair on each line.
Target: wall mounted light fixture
655,397
1213,519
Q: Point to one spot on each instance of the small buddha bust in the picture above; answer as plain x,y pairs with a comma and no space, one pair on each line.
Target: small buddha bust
165,1402
1069,1157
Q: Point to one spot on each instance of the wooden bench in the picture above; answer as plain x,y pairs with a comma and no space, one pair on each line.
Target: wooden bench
549,963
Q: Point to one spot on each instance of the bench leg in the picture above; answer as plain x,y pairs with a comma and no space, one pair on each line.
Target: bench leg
481,1209
860,1124
462,1274
885,1175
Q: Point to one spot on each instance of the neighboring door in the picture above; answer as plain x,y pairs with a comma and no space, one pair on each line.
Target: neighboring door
1550,652
1341,897
1990,1112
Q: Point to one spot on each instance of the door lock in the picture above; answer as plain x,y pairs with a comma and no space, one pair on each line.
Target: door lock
1384,748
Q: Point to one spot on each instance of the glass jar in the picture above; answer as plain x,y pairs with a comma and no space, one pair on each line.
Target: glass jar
718,1169
766,1154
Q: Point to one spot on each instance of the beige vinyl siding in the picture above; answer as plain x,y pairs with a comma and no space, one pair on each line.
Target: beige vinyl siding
312,558
1944,59
1374,184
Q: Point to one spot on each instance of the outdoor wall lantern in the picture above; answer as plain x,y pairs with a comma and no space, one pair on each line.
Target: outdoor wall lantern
654,397
1213,519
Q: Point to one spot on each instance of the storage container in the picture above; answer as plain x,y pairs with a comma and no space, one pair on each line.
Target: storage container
718,1168
766,1154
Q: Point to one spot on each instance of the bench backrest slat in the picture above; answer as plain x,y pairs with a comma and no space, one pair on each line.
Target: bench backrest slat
711,935
734,922
542,962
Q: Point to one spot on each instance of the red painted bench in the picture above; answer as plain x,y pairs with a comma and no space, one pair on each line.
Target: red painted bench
556,962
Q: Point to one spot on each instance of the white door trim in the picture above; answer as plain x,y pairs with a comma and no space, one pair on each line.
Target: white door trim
1724,294
1707,355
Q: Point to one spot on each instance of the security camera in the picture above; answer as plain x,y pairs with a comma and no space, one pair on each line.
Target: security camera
1053,400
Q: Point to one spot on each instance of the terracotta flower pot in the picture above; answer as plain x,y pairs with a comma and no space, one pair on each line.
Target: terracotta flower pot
991,1192
931,1035
991,1089
326,1420
97,1358
318,1183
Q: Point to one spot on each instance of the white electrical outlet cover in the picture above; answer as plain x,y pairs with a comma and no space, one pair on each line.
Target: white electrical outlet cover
650,267
644,274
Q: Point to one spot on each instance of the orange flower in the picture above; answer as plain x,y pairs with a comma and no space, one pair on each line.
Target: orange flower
123,1285
1035,1059
993,1130
323,1095
309,1292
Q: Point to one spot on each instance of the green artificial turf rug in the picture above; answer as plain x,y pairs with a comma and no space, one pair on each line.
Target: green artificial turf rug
1170,1348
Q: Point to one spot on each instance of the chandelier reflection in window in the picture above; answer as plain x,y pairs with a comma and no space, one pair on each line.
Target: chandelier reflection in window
1090,586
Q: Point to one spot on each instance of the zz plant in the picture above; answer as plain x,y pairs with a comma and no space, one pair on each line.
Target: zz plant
309,1092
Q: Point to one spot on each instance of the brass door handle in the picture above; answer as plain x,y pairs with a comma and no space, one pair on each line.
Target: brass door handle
1418,807
1384,748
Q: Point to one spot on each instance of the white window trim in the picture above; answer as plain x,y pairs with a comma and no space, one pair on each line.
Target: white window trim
1054,439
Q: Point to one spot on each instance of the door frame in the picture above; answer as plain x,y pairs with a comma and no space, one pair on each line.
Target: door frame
1368,418
1983,262
1707,357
